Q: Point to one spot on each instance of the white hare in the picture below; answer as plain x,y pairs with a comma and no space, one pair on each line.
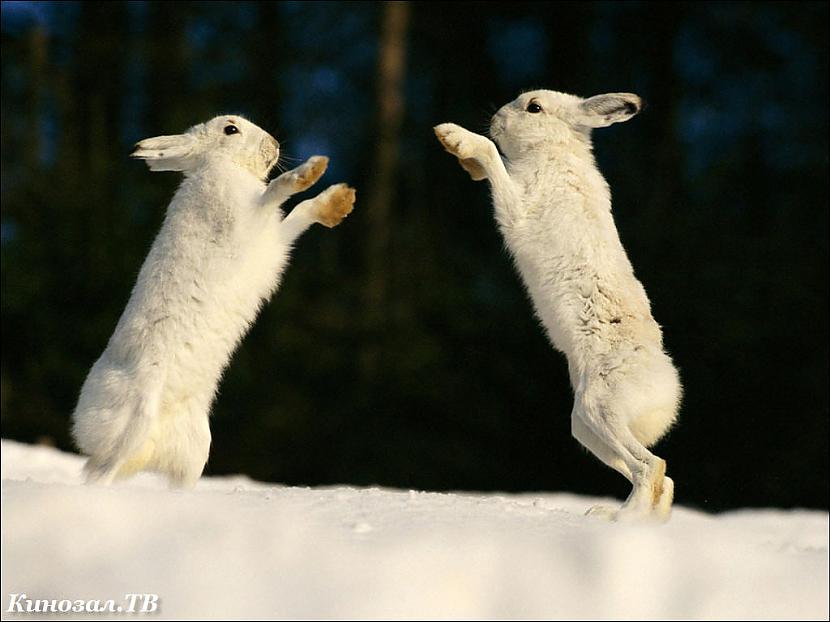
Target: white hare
554,210
218,257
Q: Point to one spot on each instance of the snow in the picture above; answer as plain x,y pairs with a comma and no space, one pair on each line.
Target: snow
234,548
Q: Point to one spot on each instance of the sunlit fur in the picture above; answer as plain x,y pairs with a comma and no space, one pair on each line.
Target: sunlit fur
553,207
219,255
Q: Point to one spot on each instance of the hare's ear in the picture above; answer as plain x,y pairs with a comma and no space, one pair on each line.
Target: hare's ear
603,110
166,153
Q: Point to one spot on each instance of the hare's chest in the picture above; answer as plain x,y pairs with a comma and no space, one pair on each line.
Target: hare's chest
231,216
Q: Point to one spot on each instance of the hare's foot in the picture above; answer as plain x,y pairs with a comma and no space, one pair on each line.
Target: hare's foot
603,512
662,509
333,204
184,478
657,480
137,462
307,174
294,181
649,495
627,513
470,149
461,143
99,471
641,504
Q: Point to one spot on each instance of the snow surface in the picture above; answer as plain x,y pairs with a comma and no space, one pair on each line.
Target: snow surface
234,548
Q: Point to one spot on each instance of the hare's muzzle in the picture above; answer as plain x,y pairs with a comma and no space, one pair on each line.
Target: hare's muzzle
269,152
271,148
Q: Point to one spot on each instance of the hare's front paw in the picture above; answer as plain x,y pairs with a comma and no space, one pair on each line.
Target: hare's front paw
334,204
305,175
462,143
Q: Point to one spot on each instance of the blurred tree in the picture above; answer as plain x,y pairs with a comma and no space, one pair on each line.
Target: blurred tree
382,186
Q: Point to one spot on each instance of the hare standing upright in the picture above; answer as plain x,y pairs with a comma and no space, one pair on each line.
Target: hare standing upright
219,255
554,210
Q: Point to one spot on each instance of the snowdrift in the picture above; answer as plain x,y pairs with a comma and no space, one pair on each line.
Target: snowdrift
234,548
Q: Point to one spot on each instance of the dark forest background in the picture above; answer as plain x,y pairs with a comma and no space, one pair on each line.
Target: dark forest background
401,349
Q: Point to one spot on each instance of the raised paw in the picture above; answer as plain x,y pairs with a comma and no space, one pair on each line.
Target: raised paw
334,204
466,146
305,175
462,143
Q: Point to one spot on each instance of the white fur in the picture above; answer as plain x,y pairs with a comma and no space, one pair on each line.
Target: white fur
554,210
219,255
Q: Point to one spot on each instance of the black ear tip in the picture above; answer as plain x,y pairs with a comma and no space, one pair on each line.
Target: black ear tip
634,107
643,104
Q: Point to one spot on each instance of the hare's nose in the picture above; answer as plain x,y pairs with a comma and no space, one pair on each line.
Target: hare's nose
275,142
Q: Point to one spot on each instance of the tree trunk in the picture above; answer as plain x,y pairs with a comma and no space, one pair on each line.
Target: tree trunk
390,111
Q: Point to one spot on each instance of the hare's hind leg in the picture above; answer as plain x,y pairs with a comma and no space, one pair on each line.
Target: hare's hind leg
127,451
582,433
184,442
598,447
194,458
662,509
647,471
127,459
99,470
119,464
189,469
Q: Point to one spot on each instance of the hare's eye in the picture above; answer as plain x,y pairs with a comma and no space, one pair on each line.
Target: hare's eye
231,129
533,107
